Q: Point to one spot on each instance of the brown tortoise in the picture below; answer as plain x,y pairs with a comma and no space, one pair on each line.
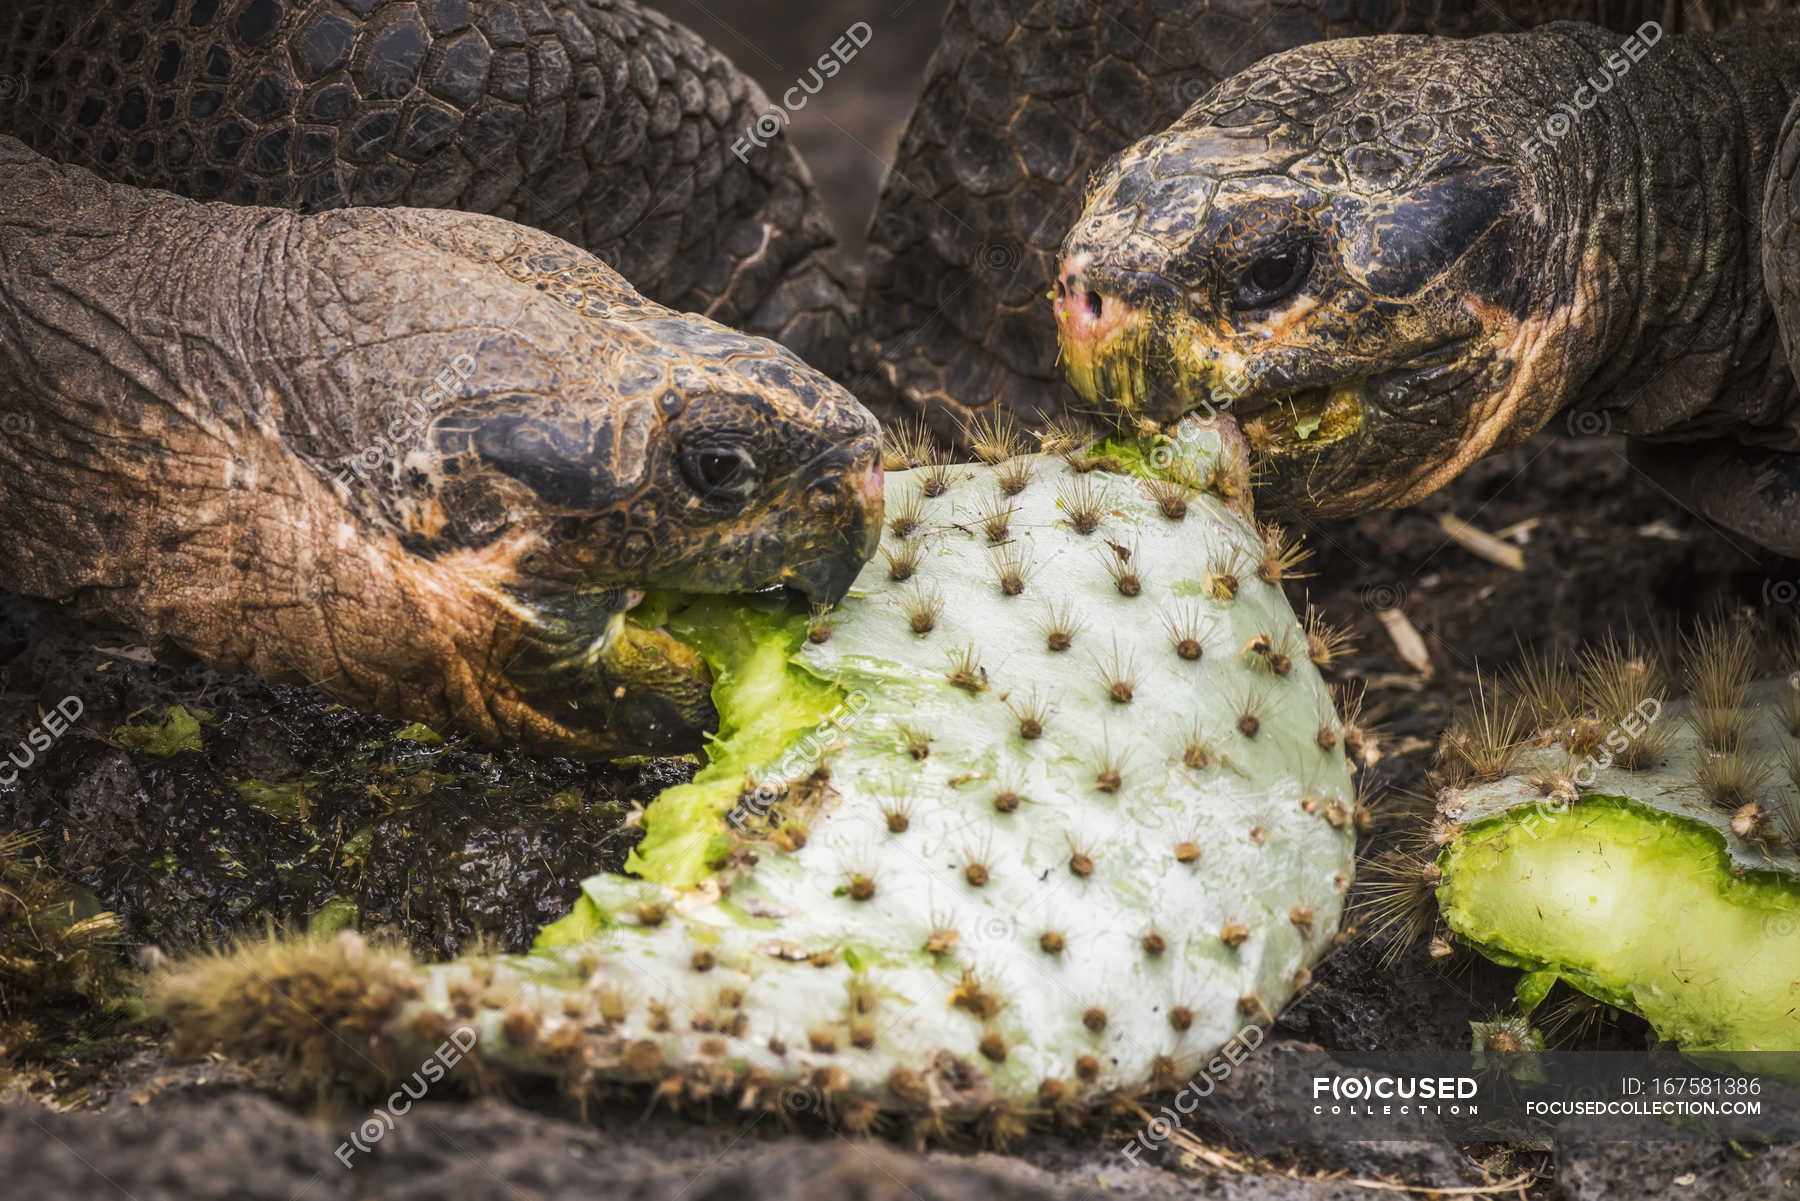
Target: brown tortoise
1389,257
425,459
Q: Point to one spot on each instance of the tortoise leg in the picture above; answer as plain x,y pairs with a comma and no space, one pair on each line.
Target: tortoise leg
1014,116
1746,489
607,125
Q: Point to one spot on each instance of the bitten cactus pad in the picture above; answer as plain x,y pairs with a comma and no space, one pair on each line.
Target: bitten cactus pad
1042,814
1671,891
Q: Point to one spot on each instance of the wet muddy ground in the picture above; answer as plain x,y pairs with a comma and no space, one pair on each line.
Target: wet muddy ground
294,810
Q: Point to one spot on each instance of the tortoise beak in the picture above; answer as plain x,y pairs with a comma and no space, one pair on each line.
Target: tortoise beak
826,578
824,582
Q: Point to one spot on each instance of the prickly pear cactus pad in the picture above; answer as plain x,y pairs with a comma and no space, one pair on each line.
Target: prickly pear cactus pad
1051,807
1654,871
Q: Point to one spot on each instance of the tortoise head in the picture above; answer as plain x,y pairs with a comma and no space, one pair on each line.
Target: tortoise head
594,446
1335,247
691,458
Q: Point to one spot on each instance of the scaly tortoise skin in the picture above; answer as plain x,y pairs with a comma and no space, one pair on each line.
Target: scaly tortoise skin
1383,257
422,459
606,124
474,578
1021,104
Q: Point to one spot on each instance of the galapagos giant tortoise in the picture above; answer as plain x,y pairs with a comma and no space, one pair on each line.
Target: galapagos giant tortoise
427,458
1389,257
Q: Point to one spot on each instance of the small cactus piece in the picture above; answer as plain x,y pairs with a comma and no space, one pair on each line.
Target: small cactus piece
935,872
1635,853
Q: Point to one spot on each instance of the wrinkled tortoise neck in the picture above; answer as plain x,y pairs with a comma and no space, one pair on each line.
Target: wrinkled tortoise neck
144,477
1652,150
91,269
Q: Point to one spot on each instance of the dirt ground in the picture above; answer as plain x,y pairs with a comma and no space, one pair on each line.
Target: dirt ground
186,853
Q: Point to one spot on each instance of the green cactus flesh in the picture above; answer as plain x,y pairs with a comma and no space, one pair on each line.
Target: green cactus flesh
1638,891
765,701
935,865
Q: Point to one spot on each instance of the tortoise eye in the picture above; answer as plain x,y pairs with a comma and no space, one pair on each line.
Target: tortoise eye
720,471
1273,275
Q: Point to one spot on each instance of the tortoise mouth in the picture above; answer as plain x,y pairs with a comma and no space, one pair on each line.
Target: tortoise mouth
1300,420
607,675
649,610
1310,418
576,627
605,666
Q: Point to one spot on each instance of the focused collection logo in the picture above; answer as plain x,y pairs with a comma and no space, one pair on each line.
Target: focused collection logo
1362,1095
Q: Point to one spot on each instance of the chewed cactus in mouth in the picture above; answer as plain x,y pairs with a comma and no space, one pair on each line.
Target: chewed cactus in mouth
1052,807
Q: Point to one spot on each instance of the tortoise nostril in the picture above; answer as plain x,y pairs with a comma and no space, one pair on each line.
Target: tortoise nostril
1094,303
